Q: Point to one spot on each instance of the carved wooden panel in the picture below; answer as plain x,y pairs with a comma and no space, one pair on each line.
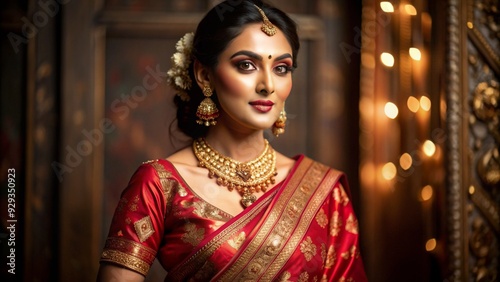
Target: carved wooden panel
461,222
473,123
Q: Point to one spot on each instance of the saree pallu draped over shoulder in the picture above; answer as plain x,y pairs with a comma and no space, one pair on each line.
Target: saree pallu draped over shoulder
305,230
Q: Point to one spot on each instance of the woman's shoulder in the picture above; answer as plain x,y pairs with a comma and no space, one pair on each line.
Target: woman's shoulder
158,168
150,173
184,156
152,167
324,164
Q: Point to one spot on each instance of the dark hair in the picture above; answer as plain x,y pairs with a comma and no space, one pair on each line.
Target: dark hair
215,31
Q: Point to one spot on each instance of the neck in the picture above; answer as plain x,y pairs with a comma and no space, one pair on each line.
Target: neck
238,146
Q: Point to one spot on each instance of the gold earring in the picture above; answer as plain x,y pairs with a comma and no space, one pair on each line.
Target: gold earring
279,124
207,111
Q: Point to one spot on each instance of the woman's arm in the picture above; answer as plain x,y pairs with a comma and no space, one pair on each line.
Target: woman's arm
113,273
136,230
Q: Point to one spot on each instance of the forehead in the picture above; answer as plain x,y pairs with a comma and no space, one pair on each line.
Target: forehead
252,38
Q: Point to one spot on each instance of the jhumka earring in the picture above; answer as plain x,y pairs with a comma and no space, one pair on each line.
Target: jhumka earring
279,124
207,112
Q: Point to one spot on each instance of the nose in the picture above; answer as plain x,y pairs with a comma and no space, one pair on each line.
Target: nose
266,84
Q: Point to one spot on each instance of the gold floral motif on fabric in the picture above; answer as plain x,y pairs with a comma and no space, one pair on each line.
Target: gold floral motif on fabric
323,252
330,257
308,248
236,242
322,219
352,224
121,205
340,195
178,210
193,235
335,224
205,210
128,220
144,228
133,205
285,276
181,191
353,252
303,277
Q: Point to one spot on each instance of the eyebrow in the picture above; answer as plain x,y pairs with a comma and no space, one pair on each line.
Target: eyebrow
284,56
259,57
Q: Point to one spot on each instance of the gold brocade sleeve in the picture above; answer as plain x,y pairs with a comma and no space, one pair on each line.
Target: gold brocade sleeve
137,227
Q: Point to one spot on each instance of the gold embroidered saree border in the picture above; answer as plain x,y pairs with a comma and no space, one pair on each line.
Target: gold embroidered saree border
164,176
129,254
305,221
172,182
125,260
268,252
201,256
252,255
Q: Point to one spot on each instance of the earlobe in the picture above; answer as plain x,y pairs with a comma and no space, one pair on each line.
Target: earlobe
201,74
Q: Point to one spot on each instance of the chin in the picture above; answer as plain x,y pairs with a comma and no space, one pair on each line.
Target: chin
264,126
257,125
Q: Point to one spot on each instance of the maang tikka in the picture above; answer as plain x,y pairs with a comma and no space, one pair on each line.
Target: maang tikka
279,124
207,111
267,27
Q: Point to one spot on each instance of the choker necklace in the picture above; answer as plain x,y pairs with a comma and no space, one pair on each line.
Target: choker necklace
247,178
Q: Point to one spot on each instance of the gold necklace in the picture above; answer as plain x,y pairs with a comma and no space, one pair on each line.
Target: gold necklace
247,178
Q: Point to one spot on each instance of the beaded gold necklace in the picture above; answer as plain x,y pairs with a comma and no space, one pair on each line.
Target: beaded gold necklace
247,178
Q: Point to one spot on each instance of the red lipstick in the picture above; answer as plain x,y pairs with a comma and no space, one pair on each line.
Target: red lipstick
263,106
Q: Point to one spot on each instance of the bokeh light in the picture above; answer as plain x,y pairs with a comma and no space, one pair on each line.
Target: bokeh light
391,110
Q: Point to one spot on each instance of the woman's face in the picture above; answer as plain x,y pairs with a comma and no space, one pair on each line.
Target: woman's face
253,79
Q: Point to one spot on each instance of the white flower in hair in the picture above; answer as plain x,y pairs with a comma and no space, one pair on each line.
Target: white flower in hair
180,60
178,75
185,43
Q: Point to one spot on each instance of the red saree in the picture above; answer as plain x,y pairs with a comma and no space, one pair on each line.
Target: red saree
303,229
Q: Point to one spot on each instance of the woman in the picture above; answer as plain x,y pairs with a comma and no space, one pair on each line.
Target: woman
229,207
